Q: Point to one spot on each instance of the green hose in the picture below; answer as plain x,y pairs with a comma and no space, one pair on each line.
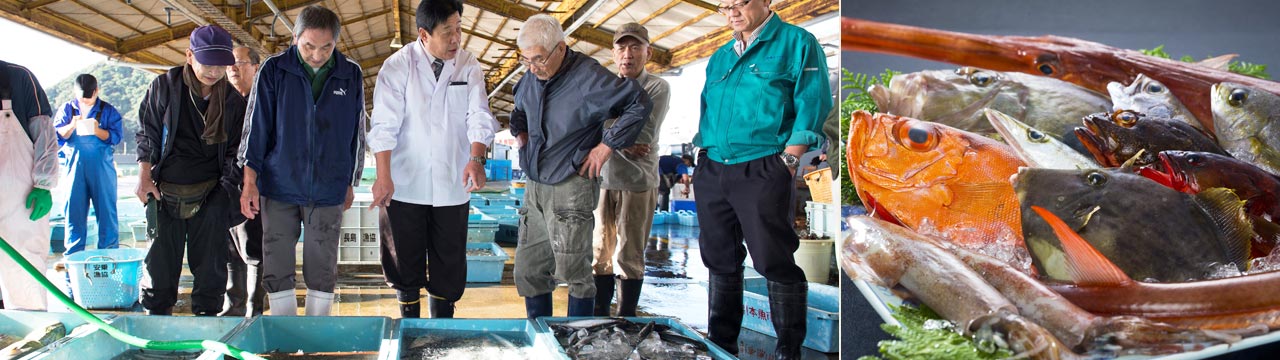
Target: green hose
116,333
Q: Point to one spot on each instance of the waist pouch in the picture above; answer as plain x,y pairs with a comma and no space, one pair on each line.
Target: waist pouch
184,201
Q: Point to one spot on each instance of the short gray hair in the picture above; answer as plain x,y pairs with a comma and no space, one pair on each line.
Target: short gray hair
254,57
317,17
540,30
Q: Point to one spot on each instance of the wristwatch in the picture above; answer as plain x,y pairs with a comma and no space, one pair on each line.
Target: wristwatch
789,160
479,159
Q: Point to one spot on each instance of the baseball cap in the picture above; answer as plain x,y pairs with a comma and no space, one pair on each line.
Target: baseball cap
212,46
633,30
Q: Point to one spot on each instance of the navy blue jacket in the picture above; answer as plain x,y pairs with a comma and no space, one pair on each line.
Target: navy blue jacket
306,152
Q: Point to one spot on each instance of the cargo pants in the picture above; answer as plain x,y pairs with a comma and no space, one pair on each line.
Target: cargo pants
555,237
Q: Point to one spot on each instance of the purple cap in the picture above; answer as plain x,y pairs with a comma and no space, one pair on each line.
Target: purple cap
212,46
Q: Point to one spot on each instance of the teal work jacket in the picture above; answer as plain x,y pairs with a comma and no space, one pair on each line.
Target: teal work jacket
775,95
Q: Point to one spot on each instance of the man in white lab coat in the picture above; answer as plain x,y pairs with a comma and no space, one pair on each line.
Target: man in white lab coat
431,128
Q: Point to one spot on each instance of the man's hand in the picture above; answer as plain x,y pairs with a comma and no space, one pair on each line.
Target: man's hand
39,201
636,151
383,189
595,161
522,139
797,151
146,188
351,197
249,200
473,174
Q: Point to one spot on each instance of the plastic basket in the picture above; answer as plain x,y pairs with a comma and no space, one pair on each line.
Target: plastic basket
819,182
106,279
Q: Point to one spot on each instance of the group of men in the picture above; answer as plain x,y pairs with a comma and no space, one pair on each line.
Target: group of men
242,158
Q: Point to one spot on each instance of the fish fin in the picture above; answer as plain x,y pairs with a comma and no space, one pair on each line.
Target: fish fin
1085,264
1231,221
1222,62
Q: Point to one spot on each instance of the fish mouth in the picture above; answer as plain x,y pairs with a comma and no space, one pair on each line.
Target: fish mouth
1166,174
876,210
1101,147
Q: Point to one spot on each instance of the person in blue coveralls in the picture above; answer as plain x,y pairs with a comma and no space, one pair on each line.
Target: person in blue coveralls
88,129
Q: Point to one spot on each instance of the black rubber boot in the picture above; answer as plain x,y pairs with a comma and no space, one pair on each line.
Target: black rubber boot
538,306
410,304
440,308
604,294
724,311
629,296
581,306
788,305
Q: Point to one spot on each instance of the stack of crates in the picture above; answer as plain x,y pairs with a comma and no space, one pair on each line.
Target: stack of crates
481,228
497,169
360,239
508,221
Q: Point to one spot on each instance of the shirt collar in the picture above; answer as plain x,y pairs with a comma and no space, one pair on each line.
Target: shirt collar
742,44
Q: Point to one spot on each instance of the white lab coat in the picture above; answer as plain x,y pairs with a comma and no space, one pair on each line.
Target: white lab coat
429,124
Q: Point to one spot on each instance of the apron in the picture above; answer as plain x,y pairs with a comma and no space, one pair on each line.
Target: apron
92,170
30,238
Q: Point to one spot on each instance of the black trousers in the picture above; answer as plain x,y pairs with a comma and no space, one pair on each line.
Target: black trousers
204,237
426,241
749,201
244,252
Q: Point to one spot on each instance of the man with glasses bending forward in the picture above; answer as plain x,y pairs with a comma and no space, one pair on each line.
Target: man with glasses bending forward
762,107
561,106
303,148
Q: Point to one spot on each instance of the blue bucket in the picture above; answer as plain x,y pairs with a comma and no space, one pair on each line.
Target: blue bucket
106,278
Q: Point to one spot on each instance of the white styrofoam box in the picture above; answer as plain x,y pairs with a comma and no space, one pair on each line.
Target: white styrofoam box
824,219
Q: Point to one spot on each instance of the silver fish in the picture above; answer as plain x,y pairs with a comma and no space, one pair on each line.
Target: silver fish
1248,124
957,98
1036,148
1149,96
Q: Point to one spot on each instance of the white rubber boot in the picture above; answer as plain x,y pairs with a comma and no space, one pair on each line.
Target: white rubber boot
283,303
318,303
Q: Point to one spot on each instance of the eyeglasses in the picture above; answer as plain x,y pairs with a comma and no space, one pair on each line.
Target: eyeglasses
728,9
540,61
241,63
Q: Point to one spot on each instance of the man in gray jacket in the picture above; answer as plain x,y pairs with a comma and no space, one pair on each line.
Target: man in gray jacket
630,182
561,106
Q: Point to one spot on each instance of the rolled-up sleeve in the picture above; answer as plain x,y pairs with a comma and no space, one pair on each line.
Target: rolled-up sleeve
480,121
388,106
812,96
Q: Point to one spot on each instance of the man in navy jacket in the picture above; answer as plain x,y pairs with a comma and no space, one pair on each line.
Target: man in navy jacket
302,152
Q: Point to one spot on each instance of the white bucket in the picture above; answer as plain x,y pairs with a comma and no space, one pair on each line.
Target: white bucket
814,257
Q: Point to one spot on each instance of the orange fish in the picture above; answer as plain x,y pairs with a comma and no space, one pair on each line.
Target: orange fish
937,180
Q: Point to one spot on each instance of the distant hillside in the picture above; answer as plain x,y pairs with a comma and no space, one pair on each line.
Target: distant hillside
122,86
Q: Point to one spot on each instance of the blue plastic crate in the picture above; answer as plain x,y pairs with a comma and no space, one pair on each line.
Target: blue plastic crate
507,234
659,217
498,169
98,345
313,334
687,218
486,269
481,221
681,204
715,351
481,235
19,323
107,278
540,346
823,318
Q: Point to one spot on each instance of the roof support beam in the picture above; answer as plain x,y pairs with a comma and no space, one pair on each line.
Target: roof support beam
702,4
71,31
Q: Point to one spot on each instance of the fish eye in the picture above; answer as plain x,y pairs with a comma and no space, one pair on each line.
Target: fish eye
1237,97
1126,118
1195,159
1036,136
1047,69
981,79
1155,88
918,136
1095,178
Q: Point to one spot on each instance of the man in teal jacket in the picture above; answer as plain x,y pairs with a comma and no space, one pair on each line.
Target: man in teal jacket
762,107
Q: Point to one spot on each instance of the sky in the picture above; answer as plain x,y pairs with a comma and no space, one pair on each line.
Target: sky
55,59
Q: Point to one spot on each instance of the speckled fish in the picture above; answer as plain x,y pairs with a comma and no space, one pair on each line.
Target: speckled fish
1191,172
1114,138
937,180
1249,304
1149,96
1249,124
957,99
1035,147
987,297
1085,63
1152,232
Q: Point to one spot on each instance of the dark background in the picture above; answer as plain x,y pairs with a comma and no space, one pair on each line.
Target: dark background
1185,27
